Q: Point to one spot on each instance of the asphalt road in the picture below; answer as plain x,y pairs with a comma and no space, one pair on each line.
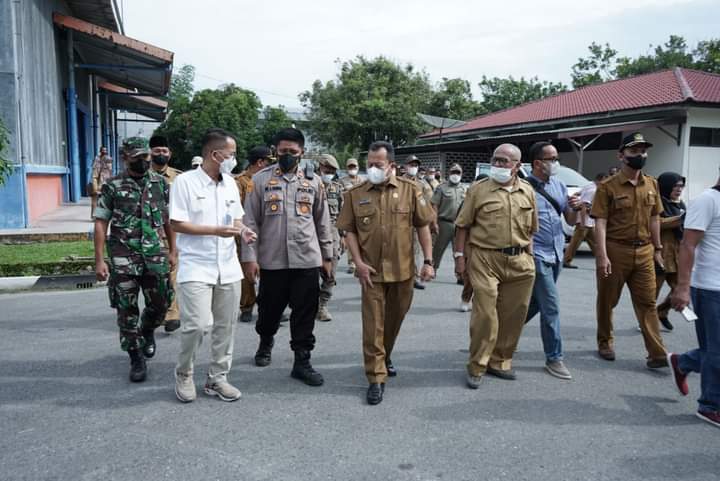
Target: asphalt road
68,412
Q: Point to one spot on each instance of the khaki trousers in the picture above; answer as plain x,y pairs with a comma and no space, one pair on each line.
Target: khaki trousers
580,234
663,309
384,307
206,307
502,286
173,313
635,267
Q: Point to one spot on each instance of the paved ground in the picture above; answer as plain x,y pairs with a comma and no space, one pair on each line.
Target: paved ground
67,411
71,218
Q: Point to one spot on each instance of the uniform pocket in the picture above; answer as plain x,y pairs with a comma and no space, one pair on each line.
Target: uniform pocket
273,203
622,202
401,215
303,204
366,216
650,199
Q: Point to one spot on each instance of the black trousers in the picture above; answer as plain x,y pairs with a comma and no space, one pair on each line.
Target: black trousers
298,288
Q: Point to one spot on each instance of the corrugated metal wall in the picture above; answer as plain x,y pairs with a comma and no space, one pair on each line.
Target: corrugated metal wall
41,85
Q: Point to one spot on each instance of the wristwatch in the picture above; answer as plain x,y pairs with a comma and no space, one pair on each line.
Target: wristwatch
428,262
658,248
458,254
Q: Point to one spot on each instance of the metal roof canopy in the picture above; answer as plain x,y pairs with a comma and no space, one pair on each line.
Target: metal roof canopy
120,98
104,13
120,59
560,133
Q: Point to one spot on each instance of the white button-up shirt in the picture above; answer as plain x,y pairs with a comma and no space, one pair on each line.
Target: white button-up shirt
198,199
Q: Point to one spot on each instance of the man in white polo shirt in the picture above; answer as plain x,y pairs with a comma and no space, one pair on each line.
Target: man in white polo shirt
206,212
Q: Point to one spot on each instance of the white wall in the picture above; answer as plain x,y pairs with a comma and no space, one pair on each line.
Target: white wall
703,162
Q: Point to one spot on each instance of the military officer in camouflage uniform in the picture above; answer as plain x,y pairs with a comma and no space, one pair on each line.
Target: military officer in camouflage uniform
412,171
135,204
446,201
349,181
334,192
160,155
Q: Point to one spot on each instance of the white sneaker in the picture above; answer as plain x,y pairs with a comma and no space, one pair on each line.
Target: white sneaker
222,389
557,369
185,387
464,307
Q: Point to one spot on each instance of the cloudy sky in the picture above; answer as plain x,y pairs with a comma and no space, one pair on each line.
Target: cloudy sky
278,48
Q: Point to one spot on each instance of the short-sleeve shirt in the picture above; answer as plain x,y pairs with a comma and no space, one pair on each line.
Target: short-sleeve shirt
383,217
196,198
627,207
549,240
137,210
703,214
587,195
498,218
447,200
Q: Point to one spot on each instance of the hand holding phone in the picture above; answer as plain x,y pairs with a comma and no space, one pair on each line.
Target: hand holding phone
688,314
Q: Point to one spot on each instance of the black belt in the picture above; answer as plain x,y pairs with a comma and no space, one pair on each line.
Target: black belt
447,220
511,251
631,243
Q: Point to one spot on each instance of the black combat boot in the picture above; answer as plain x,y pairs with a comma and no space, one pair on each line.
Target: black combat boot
263,356
138,368
149,346
303,371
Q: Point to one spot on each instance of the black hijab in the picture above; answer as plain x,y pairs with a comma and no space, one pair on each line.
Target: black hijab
666,183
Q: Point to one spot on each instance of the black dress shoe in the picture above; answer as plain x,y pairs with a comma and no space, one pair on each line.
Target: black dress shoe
375,393
419,285
666,323
460,282
172,325
391,371
569,266
507,374
149,347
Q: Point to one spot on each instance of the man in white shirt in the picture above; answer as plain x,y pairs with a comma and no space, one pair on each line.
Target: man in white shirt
699,253
585,226
206,213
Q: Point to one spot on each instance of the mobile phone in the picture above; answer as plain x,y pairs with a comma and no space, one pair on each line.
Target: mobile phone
688,314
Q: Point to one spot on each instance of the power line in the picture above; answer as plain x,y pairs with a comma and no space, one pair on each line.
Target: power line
246,87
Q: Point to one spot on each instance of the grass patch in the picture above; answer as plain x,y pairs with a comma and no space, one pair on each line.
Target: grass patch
43,253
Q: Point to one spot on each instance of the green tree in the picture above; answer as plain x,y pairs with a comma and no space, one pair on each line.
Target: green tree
597,67
502,93
707,55
181,87
6,167
453,99
273,119
674,53
229,107
370,99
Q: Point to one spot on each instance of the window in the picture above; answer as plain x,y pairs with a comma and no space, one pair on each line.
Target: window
704,137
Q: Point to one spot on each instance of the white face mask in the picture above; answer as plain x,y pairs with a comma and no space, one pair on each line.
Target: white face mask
501,175
554,168
455,178
412,171
327,178
376,176
352,172
227,165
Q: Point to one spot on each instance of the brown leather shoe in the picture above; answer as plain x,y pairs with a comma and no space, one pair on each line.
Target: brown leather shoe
606,353
657,363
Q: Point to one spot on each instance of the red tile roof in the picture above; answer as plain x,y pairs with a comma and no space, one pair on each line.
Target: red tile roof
666,87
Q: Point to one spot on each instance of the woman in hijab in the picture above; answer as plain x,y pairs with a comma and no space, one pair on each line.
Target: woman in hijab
671,231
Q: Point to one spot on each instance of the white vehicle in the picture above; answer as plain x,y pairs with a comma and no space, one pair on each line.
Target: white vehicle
572,179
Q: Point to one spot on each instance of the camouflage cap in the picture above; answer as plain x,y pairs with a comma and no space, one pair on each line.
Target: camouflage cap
352,161
133,146
455,168
329,161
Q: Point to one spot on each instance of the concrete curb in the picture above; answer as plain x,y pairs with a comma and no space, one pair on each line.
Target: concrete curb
42,283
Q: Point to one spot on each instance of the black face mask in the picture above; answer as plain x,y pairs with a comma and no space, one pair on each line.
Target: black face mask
161,159
139,166
288,161
637,162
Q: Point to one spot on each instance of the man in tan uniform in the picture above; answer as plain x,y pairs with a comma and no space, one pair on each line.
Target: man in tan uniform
349,181
160,155
446,201
500,217
412,172
379,217
258,159
626,209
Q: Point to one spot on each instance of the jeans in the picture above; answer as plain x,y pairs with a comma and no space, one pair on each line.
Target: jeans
545,300
706,359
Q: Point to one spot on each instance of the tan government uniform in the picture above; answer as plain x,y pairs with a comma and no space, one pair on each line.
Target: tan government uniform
384,217
348,183
628,209
173,312
247,286
669,274
427,193
502,282
446,200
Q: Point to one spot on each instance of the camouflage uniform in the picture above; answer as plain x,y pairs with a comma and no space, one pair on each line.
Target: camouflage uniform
334,192
137,209
348,183
427,192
